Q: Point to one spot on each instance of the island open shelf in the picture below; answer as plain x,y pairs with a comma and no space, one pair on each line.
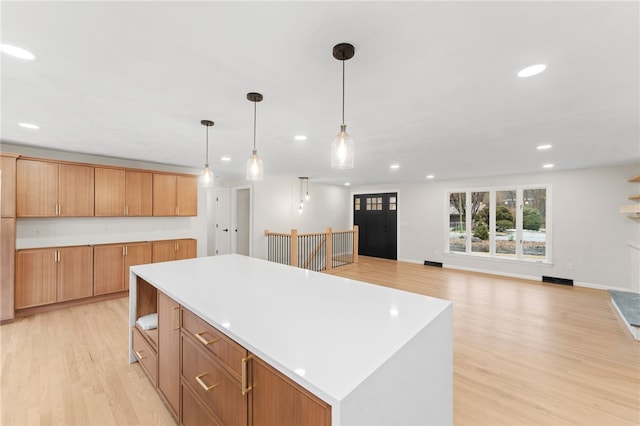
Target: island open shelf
373,354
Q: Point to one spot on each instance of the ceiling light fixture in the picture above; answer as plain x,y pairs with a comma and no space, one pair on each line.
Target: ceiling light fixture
532,70
301,205
307,197
342,146
225,159
17,52
347,184
29,126
547,166
255,168
206,177
300,137
394,166
543,147
430,176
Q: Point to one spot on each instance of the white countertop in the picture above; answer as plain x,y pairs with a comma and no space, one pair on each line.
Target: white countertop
326,333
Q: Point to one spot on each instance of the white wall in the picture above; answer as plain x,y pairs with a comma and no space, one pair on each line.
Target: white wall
49,232
275,207
588,231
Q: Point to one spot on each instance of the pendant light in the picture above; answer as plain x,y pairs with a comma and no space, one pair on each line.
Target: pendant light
255,168
206,177
342,146
307,197
301,205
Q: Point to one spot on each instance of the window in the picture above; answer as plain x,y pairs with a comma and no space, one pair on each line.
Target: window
374,203
357,204
500,223
392,203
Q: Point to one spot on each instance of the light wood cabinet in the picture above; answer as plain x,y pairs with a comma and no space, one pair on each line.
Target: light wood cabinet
164,251
146,355
53,189
111,263
53,275
175,195
277,400
169,352
7,266
121,192
8,190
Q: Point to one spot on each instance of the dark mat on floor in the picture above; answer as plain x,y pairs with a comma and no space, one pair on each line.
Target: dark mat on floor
629,304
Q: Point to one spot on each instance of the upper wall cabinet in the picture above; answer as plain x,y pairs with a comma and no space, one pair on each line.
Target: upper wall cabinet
8,190
175,195
46,188
122,192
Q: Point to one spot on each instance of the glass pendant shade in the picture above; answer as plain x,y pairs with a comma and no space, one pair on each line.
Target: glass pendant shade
255,169
206,177
342,150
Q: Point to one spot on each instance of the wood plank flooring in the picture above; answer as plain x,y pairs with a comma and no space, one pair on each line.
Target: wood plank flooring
524,353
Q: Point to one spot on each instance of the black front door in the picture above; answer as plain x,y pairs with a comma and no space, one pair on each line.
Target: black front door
376,216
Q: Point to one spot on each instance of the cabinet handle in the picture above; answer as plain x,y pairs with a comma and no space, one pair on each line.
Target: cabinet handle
177,246
124,251
203,384
203,340
139,355
58,251
176,324
245,388
55,256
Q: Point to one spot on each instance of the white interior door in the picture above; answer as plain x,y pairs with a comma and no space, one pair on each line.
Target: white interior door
243,221
223,225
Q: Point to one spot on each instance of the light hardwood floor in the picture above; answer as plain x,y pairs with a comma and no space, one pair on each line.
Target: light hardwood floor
524,353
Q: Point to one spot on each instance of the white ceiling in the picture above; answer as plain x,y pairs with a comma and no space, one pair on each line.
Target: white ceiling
432,86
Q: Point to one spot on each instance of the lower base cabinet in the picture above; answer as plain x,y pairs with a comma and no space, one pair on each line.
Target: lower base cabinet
193,412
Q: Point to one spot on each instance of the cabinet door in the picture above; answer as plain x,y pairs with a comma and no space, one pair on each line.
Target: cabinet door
108,269
35,277
36,188
75,190
138,193
109,192
169,351
277,400
8,204
164,195
75,273
7,255
187,195
135,254
163,251
186,249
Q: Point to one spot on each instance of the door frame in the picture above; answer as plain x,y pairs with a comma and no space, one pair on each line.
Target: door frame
355,192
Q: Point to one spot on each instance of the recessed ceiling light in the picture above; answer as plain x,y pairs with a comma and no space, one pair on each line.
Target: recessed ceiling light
225,158
394,166
300,137
543,147
394,312
547,166
347,184
532,70
17,52
29,126
430,176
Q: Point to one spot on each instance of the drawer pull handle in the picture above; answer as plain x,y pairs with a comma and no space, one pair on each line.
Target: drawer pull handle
203,340
139,355
203,384
245,388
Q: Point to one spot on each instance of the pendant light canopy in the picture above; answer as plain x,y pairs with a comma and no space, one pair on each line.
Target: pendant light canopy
206,177
342,146
255,168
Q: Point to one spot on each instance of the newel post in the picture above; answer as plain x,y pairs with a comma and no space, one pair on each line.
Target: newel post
328,249
294,247
355,243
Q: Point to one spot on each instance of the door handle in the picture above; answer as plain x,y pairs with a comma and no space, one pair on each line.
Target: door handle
226,229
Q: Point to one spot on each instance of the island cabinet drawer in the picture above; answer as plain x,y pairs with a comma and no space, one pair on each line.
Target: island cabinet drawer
214,386
225,350
193,412
145,355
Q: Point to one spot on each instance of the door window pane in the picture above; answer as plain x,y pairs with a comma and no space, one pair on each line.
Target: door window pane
480,214
534,228
356,205
457,221
505,223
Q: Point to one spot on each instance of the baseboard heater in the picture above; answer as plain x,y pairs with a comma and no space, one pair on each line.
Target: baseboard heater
430,263
556,280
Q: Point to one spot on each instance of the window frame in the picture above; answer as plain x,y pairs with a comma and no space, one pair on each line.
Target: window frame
491,255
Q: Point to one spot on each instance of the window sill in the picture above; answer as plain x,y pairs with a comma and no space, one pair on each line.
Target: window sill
498,259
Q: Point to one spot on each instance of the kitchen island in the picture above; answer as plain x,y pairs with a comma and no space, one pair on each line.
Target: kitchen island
373,354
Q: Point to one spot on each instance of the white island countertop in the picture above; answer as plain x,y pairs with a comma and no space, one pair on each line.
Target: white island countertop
327,333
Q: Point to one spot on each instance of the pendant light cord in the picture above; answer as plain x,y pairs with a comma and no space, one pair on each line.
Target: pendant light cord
207,148
343,92
254,125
